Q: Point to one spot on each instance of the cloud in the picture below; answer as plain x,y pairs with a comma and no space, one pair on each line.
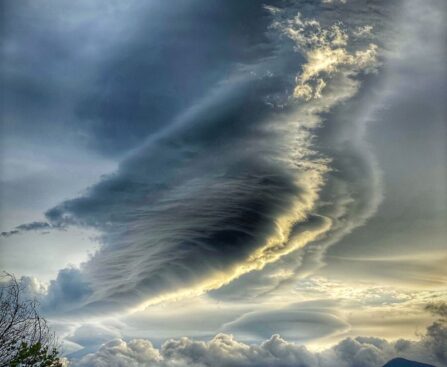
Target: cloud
243,177
333,1
32,288
437,309
293,324
352,189
51,63
69,288
120,353
33,226
436,340
363,31
92,335
157,90
243,172
325,52
224,350
238,214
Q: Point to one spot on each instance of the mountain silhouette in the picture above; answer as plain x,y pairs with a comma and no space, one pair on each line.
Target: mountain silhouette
402,362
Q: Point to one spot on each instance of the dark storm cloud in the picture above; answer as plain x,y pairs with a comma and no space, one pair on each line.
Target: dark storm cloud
437,309
160,190
109,75
67,289
349,197
160,199
176,56
225,161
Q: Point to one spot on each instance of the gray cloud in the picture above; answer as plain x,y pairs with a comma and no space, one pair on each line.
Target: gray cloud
92,335
102,80
406,238
33,226
241,163
51,61
297,325
245,170
168,64
404,125
69,288
137,210
350,196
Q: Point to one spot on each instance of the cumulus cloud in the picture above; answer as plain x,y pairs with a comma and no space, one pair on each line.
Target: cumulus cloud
437,309
69,288
33,288
224,350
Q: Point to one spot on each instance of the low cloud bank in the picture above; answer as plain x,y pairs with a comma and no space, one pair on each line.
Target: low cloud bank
224,350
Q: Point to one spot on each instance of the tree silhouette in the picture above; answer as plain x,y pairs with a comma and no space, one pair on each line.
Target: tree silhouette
25,339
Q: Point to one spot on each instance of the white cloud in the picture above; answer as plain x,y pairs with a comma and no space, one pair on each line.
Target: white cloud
326,52
119,353
224,350
333,1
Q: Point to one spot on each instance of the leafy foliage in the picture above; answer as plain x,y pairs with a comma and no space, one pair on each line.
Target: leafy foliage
25,339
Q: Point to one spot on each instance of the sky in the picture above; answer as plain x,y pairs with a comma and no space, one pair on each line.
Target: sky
227,183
